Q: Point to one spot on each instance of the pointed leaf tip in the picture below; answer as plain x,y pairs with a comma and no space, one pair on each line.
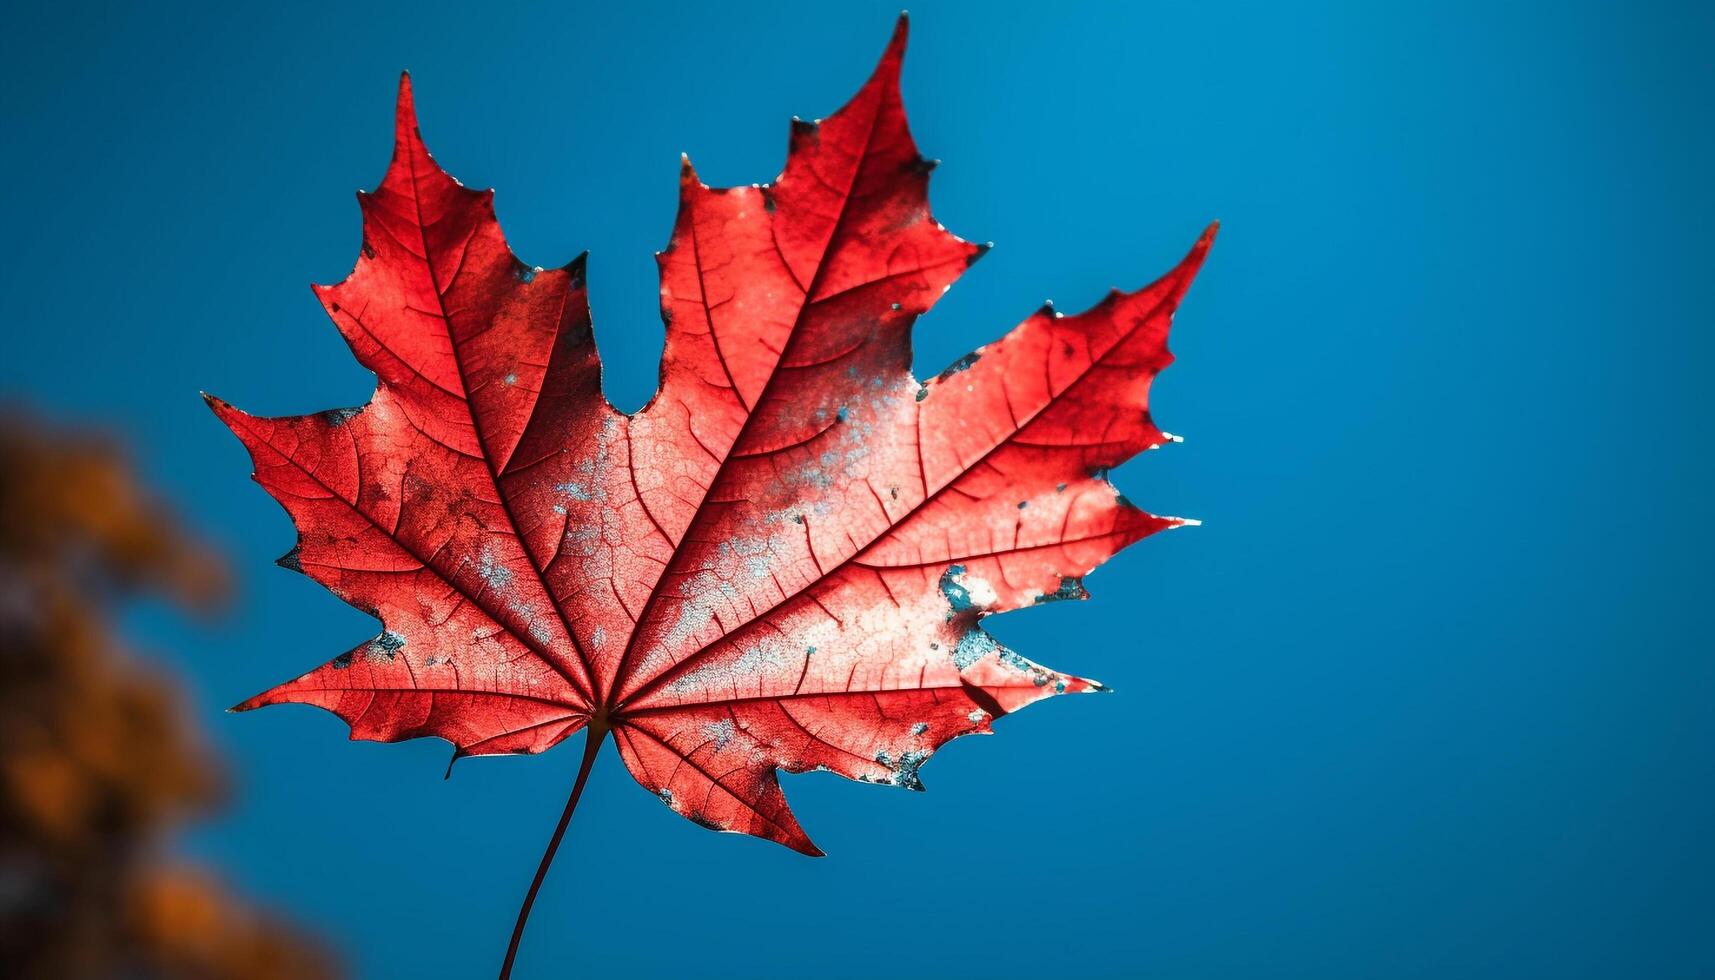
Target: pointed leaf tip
222,408
1207,238
1201,247
1192,263
894,54
405,110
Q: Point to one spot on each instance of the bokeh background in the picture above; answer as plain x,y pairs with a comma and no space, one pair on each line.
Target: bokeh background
1427,695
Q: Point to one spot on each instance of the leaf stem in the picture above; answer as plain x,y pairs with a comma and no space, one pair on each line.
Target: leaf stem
597,733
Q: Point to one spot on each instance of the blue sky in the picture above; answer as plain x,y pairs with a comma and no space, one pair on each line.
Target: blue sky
1427,694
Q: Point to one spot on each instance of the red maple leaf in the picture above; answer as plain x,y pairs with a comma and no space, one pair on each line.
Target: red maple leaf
782,561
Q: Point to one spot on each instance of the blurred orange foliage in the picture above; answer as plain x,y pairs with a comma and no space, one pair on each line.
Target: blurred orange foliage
98,762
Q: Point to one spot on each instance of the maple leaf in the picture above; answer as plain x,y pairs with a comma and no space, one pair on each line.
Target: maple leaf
783,560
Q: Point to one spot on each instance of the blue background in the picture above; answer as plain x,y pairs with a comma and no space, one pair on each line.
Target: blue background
1427,696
